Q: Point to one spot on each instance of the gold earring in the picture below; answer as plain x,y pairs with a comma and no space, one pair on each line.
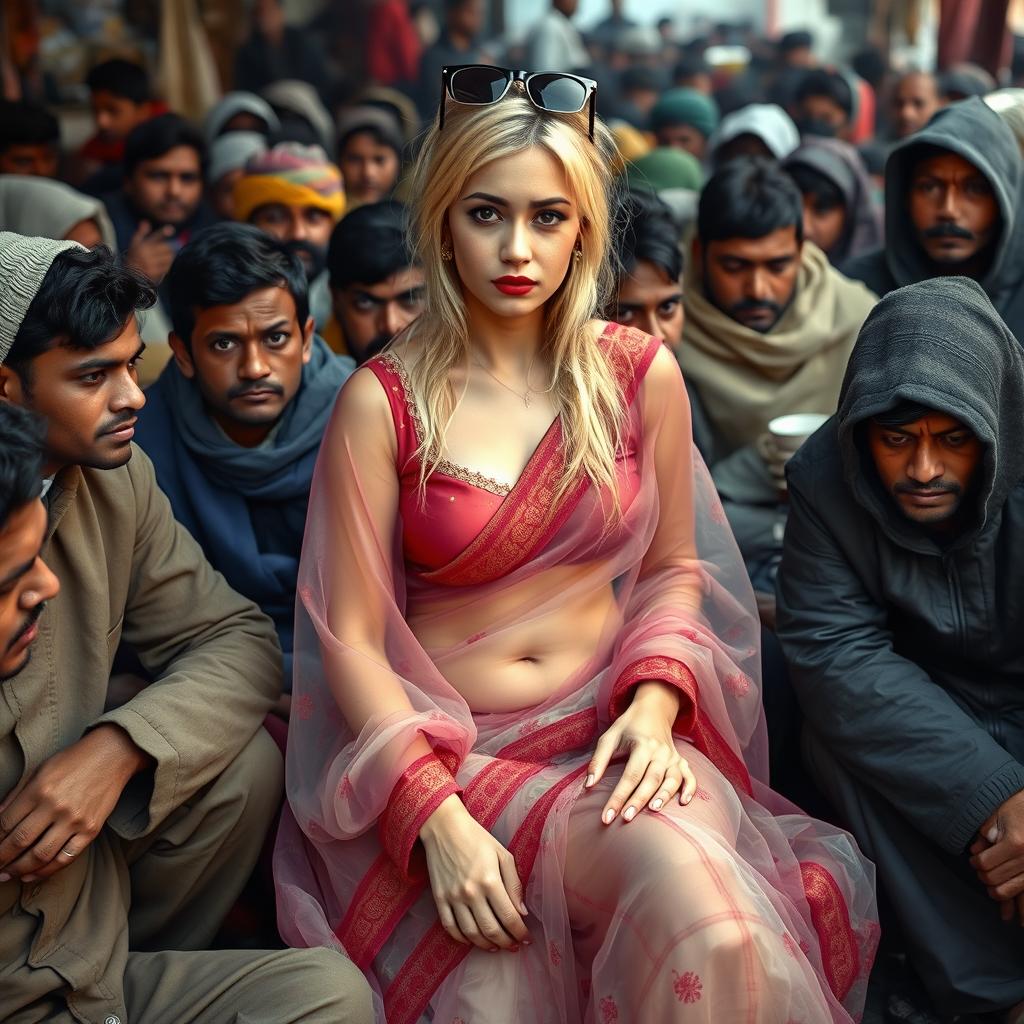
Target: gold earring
447,252
577,254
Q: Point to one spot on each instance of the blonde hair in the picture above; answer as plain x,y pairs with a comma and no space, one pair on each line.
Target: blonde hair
585,388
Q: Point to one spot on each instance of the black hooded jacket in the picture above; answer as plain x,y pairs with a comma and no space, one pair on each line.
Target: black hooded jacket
977,133
907,655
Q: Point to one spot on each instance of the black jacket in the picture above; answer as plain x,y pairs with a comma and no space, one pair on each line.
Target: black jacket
978,134
908,655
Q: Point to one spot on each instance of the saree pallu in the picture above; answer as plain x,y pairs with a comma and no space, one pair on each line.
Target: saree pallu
736,907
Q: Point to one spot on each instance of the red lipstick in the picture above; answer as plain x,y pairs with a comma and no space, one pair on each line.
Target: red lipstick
514,285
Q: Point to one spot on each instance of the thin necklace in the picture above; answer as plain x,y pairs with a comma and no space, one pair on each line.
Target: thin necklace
525,399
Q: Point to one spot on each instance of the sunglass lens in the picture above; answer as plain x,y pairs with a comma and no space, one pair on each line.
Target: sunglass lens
557,93
478,85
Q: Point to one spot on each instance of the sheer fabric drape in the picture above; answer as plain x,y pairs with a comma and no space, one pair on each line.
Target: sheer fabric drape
736,907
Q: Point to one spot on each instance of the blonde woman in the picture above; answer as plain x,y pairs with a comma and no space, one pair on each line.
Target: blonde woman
527,741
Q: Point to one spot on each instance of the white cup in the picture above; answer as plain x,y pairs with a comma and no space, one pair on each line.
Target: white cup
789,432
785,436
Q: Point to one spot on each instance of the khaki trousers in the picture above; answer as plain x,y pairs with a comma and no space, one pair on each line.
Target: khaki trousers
209,847
184,878
240,986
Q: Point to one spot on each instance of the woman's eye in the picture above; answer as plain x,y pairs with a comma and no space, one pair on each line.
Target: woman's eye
550,217
485,214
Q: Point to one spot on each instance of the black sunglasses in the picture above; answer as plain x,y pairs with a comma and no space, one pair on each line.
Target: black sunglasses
480,84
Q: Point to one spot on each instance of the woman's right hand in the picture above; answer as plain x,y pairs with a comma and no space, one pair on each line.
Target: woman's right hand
474,880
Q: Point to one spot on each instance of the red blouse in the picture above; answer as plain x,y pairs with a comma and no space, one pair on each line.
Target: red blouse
458,502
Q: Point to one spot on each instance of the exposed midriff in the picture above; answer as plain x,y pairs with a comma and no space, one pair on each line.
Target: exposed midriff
512,650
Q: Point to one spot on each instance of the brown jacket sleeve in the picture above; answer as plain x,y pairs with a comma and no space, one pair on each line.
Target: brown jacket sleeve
213,653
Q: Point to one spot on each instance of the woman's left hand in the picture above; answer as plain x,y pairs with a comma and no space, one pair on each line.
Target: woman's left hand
654,771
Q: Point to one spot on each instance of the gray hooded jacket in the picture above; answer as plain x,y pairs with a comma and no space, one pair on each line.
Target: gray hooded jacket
978,134
907,655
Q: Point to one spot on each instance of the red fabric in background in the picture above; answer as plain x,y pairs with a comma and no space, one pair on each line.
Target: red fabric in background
393,49
975,31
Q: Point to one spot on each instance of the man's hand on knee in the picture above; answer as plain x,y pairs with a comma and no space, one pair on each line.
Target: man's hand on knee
59,810
997,855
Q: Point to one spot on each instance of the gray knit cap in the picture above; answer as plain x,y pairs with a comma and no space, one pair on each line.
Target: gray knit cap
24,262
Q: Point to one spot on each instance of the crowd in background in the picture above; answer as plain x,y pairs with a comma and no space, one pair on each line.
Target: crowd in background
766,203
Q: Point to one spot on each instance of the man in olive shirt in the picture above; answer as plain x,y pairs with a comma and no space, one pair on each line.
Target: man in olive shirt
126,836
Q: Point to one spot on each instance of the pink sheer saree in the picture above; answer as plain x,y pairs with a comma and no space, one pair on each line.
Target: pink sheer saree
736,907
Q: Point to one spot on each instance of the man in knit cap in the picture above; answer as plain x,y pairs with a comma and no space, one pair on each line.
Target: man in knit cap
126,836
685,119
369,154
240,112
758,129
295,193
229,153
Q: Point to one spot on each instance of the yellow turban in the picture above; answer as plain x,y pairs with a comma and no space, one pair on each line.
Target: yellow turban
293,175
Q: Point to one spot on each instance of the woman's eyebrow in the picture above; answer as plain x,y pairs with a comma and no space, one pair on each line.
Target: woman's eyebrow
498,201
486,197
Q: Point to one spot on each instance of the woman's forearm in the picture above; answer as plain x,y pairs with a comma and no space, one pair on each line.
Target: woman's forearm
659,697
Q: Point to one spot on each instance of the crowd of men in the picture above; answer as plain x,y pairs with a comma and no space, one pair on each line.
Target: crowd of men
180,304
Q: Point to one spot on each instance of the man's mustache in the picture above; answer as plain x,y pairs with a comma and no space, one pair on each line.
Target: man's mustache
116,423
30,621
935,487
757,306
947,230
255,385
316,257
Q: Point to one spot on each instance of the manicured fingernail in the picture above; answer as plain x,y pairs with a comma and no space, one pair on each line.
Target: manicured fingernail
688,799
630,813
523,908
28,878
992,834
5,877
590,780
609,816
656,805
526,942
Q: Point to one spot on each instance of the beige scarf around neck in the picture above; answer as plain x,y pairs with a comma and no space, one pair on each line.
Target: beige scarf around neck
745,378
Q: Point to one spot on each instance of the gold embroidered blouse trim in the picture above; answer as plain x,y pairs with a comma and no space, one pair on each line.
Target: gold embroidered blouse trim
444,465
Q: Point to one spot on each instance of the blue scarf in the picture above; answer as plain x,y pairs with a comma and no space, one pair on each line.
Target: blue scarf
245,506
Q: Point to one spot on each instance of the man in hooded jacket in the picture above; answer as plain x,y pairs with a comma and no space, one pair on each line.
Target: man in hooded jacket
899,600
952,206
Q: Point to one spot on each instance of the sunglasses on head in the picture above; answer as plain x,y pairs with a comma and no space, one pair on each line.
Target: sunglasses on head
477,85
